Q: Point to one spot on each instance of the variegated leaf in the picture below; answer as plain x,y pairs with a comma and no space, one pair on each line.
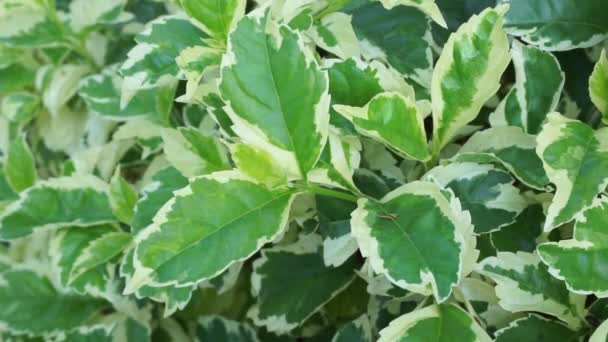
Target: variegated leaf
217,18
290,123
393,120
435,323
535,328
221,209
335,33
87,13
557,25
334,227
427,6
309,289
523,283
467,73
217,328
358,330
579,260
538,87
410,223
25,23
19,165
59,202
99,251
123,198
598,85
575,158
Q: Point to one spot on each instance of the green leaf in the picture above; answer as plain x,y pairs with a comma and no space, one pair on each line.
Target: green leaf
19,108
87,13
123,198
575,158
418,223
258,164
598,85
400,36
309,289
217,328
522,234
258,73
538,86
216,17
557,25
101,93
358,330
95,333
601,333
487,193
429,7
19,165
24,292
59,202
510,147
151,63
98,252
334,33
334,227
338,162
523,283
393,120
435,323
193,152
579,260
535,328
179,247
26,24
467,73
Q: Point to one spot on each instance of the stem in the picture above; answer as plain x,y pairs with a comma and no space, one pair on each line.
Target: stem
328,192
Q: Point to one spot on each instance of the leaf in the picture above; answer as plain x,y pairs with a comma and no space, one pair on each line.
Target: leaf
358,330
258,164
393,120
535,328
429,7
598,85
467,73
23,292
334,33
258,71
151,63
522,234
19,108
218,17
440,323
523,283
98,252
557,25
19,165
418,223
222,209
123,198
575,159
95,333
512,148
538,86
334,228
59,85
216,328
67,246
193,152
25,24
400,37
601,333
309,289
579,260
59,202
101,93
87,13
487,193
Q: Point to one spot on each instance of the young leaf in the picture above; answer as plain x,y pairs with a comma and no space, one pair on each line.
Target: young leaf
123,198
578,260
222,209
258,164
535,328
487,193
468,73
523,283
19,108
217,328
309,289
19,165
391,119
557,25
512,148
217,18
435,323
258,71
23,292
59,202
598,85
538,86
576,159
410,223
98,252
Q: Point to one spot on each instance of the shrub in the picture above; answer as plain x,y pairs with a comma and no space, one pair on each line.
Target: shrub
303,170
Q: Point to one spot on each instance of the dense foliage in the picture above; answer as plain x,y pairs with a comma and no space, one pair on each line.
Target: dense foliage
303,170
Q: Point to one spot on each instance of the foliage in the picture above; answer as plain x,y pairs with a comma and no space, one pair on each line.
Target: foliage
303,170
